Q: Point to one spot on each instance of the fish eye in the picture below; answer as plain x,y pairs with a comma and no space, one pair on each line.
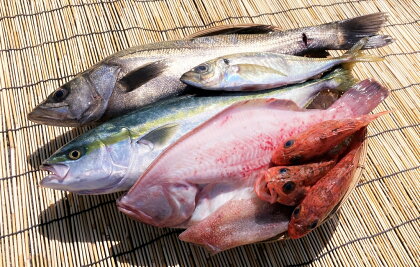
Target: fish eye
295,160
226,61
289,187
289,143
201,68
296,211
283,170
313,224
74,154
60,94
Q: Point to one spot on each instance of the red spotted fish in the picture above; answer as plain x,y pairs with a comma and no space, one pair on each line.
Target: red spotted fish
318,140
288,185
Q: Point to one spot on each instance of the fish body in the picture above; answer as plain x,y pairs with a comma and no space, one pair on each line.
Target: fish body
229,147
288,185
326,194
142,75
264,70
231,215
320,139
111,157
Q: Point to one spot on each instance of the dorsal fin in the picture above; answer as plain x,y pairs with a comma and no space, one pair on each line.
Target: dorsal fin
248,28
141,75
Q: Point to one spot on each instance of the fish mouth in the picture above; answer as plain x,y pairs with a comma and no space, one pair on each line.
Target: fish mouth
58,172
190,79
52,115
132,212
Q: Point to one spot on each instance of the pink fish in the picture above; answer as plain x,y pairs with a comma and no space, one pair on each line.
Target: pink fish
242,219
230,147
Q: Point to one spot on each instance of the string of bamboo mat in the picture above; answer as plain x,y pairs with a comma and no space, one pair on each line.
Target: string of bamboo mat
44,43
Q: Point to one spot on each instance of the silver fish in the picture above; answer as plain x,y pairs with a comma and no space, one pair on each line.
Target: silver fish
266,70
141,75
111,157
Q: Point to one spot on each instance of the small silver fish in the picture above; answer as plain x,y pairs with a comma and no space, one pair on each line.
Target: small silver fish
141,75
265,70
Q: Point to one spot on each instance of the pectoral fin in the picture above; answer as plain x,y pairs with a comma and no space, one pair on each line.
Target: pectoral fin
141,75
249,28
159,136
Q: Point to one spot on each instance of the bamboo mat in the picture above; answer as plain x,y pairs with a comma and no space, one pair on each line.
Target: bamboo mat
45,43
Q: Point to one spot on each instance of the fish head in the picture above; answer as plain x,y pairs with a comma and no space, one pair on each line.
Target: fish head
87,165
208,75
162,204
80,101
303,221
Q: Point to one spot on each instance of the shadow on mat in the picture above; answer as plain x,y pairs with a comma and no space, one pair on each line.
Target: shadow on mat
77,218
42,153
80,219
257,253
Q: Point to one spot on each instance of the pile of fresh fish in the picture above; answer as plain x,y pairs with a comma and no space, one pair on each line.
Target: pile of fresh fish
204,138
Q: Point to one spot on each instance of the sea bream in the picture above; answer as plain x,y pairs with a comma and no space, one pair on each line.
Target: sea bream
231,147
264,70
141,75
111,157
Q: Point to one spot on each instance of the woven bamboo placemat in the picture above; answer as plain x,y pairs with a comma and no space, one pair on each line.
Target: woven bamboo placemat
45,43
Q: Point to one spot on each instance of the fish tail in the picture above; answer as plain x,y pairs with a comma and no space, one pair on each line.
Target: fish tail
361,99
355,54
350,31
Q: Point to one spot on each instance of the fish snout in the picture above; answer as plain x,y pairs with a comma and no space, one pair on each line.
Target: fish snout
191,78
149,206
58,173
52,114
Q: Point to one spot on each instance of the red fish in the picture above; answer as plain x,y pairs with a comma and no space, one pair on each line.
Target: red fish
324,196
319,139
288,185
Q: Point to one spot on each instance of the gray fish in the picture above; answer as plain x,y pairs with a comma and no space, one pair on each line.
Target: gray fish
111,157
141,75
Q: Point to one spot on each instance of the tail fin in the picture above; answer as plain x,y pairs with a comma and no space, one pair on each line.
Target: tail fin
356,55
362,98
352,30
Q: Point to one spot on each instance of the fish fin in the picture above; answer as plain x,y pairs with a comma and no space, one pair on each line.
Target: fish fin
355,54
362,98
134,79
159,136
249,28
352,30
